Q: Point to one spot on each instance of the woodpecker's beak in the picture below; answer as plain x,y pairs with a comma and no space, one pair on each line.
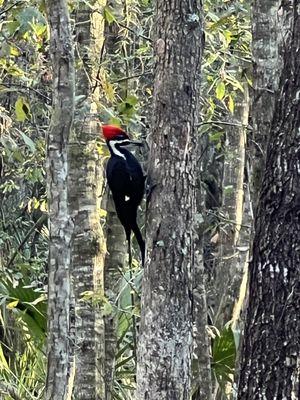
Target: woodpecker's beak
136,142
129,142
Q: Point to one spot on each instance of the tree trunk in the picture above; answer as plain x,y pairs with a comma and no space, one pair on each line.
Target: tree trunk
202,382
269,32
165,346
270,361
116,255
60,370
114,263
86,188
230,270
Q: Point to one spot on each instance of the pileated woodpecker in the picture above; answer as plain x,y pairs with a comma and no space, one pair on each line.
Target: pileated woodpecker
126,181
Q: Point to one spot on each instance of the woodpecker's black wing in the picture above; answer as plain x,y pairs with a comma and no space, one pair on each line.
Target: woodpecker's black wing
126,181
125,178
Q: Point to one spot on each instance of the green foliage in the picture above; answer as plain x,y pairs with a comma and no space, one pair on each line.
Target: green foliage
22,109
126,69
224,356
24,117
23,317
125,76
108,15
227,56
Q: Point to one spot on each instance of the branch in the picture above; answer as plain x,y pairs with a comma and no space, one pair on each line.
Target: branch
7,390
225,123
10,7
134,32
126,78
23,87
40,221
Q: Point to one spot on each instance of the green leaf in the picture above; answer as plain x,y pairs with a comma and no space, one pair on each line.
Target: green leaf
132,100
115,121
230,104
224,354
22,109
30,15
107,309
215,137
220,90
12,304
29,143
108,15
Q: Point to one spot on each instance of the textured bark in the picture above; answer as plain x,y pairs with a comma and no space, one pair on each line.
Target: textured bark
271,361
59,373
201,368
116,255
202,384
270,29
230,271
86,188
114,263
165,346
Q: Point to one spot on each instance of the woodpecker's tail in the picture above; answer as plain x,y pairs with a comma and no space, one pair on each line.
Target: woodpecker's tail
140,240
128,234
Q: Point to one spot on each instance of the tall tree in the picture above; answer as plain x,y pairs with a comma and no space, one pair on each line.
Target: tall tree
165,345
230,271
268,30
60,375
115,259
270,360
85,185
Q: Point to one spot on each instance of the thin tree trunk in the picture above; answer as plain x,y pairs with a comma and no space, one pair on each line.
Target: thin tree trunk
202,383
60,370
86,189
230,271
270,361
114,263
165,346
201,363
269,33
116,255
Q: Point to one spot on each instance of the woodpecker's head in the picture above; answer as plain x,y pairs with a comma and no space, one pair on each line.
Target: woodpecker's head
116,138
113,132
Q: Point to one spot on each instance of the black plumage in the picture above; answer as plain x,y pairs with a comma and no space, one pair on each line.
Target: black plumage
127,183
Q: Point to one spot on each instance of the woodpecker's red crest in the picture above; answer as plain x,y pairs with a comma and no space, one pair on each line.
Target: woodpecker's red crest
111,132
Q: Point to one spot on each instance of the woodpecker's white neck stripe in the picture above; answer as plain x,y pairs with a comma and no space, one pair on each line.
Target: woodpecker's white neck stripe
114,149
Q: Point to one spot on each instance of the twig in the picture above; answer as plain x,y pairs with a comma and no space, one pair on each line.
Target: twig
126,78
228,220
6,390
224,123
26,237
134,32
10,7
22,87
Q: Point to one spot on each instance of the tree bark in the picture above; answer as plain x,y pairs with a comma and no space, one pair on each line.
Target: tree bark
270,31
165,346
202,383
60,370
86,189
116,255
270,361
230,270
114,263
